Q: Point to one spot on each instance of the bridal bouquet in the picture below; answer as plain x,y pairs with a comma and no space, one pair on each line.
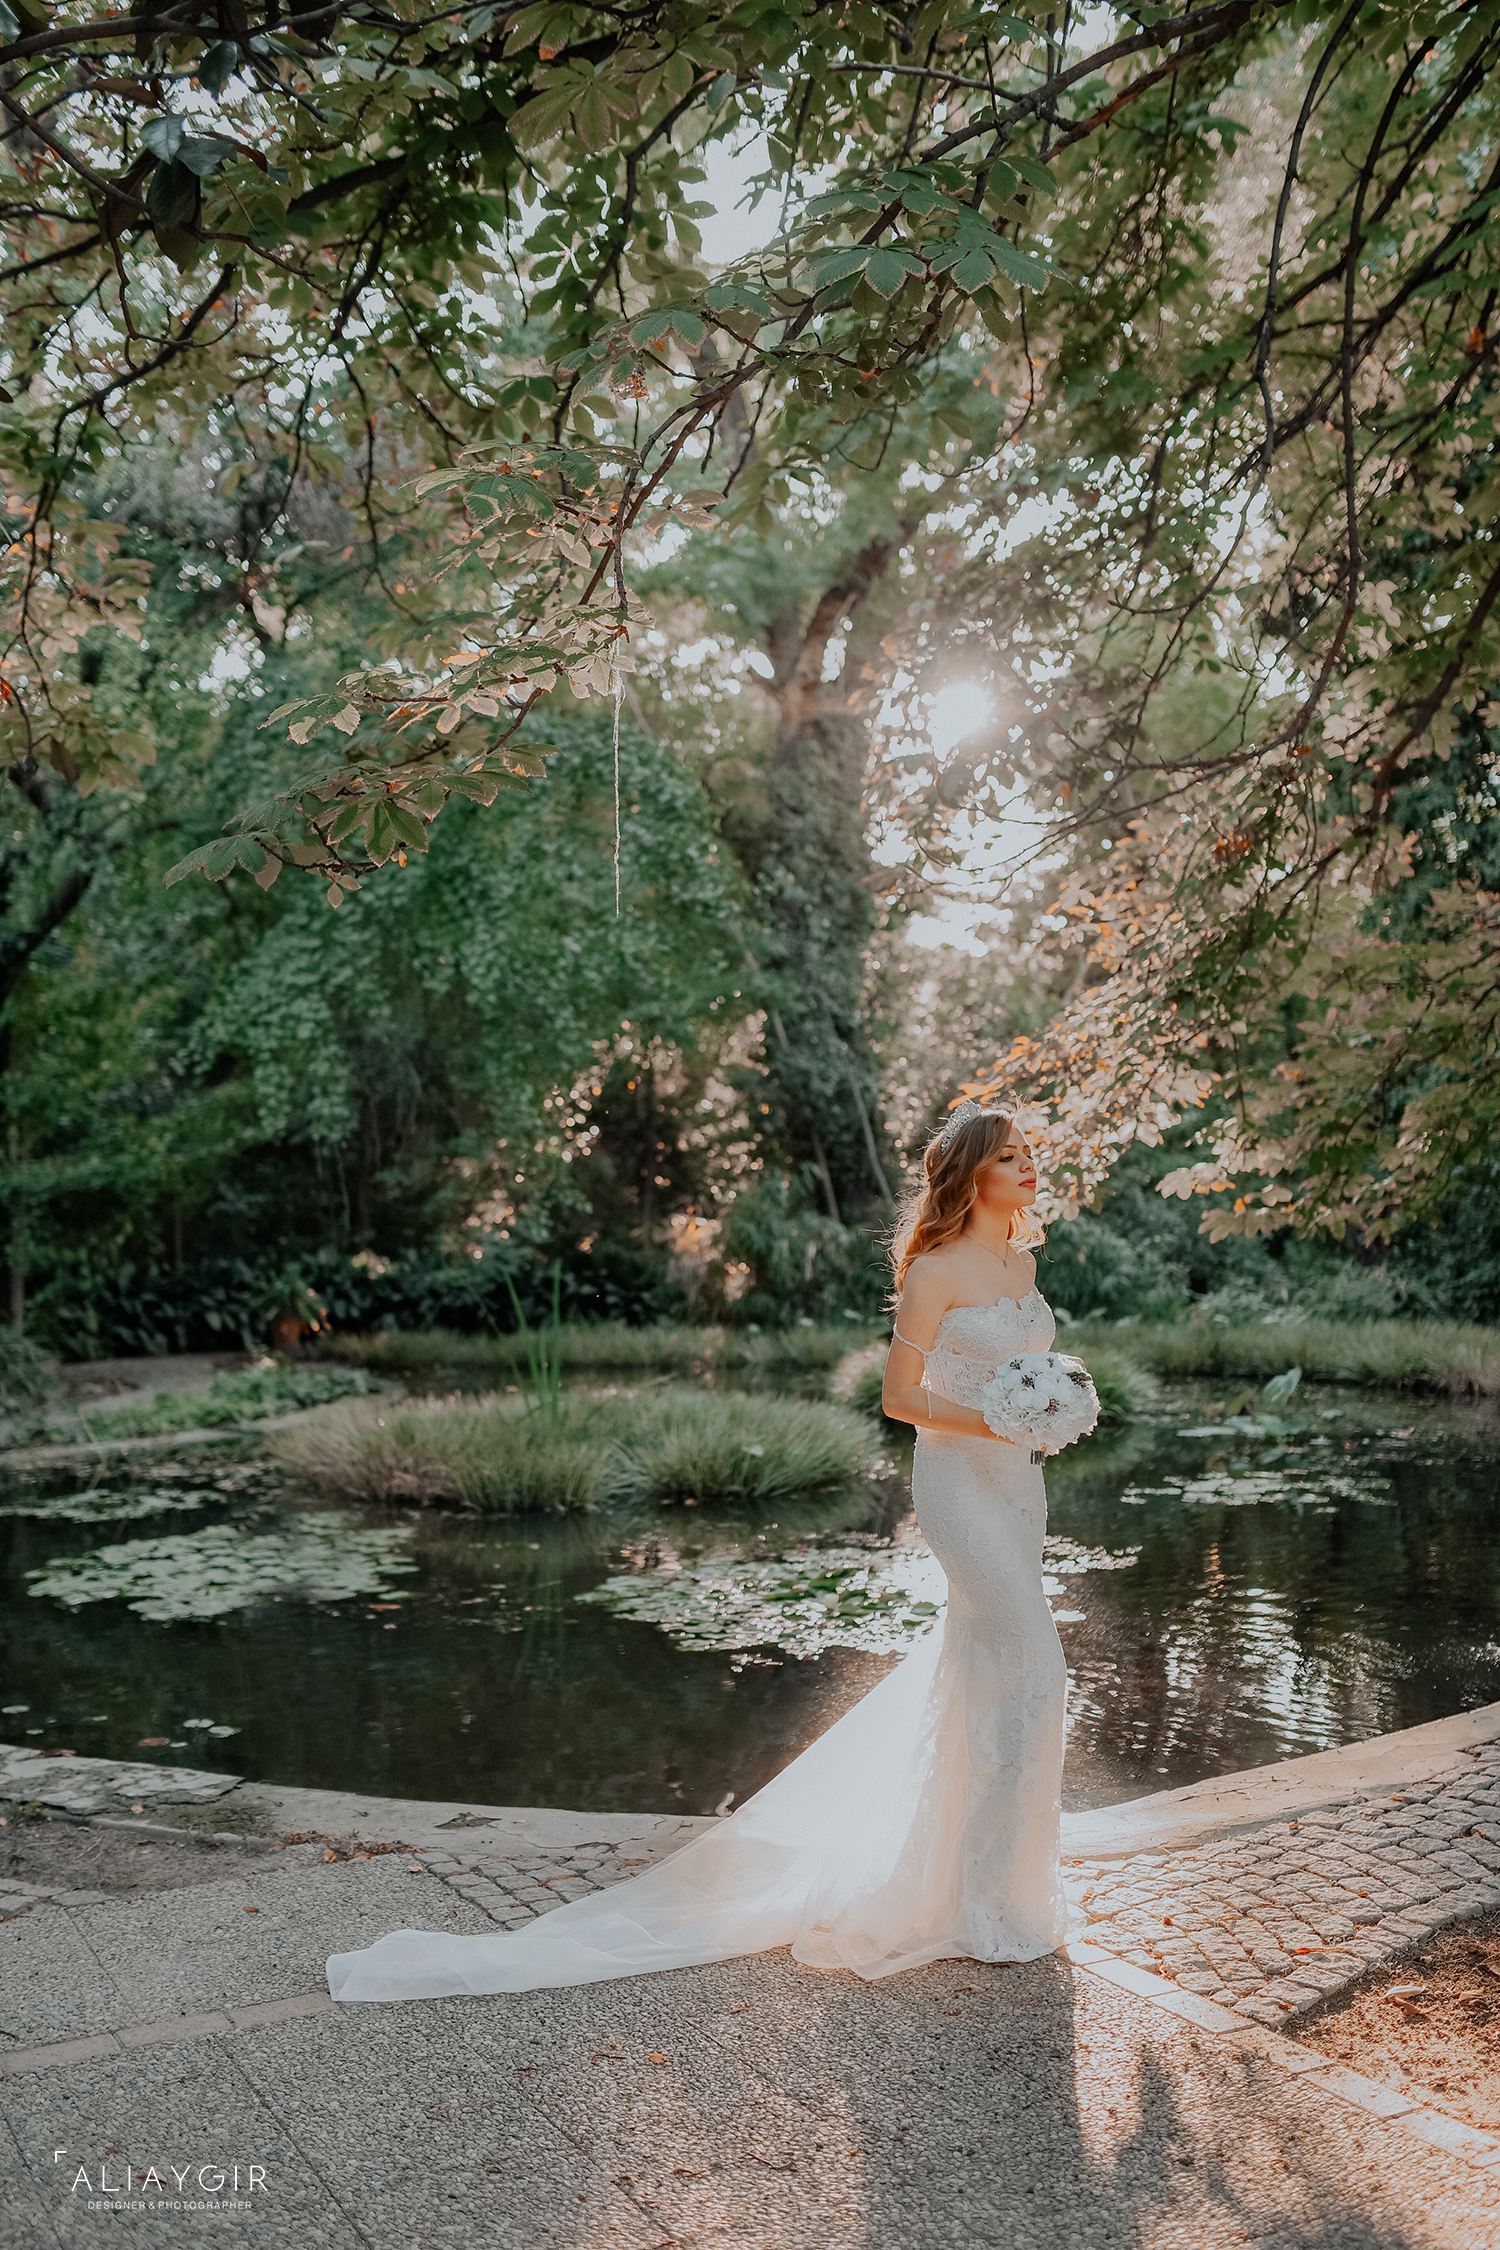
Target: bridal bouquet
1042,1399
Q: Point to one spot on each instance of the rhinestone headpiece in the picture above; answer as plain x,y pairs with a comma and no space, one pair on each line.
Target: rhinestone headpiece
964,1115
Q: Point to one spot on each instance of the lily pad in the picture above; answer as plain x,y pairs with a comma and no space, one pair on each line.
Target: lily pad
874,1599
108,1507
1251,1488
198,1574
814,1598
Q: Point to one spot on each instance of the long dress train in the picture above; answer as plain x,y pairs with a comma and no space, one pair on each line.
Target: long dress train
922,1826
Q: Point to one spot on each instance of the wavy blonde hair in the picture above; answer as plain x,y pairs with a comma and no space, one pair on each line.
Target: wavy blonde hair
936,1208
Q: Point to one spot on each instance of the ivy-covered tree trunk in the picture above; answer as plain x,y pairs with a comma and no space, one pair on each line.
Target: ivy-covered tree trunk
806,849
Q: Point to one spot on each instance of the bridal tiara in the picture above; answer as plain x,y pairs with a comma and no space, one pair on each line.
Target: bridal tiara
965,1114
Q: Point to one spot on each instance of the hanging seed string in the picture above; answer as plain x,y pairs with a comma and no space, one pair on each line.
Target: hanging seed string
619,691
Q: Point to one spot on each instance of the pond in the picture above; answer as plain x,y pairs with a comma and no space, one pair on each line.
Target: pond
1224,1599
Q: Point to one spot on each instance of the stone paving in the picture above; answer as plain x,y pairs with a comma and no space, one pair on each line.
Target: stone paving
516,1887
1273,1922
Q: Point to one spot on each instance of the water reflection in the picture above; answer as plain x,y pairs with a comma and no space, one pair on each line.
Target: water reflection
1345,1591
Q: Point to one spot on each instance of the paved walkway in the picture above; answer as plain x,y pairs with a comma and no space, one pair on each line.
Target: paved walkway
1134,2094
753,2104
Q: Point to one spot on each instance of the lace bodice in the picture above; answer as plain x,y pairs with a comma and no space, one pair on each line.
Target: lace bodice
974,1340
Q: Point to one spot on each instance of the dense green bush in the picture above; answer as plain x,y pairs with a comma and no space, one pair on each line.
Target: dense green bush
1123,1385
803,1264
219,1303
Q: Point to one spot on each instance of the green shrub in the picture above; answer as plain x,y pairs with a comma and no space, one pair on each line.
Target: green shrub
23,1373
859,1378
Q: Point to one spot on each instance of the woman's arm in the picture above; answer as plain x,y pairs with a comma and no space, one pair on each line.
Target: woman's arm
924,1300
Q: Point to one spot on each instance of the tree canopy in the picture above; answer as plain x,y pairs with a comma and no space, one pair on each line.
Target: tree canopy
1150,349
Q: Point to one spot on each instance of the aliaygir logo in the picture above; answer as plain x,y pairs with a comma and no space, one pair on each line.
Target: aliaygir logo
112,2182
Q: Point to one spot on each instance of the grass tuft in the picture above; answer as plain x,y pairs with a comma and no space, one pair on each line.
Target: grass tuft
705,1446
664,1447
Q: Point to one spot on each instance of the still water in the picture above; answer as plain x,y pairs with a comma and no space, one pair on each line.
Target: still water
1225,1599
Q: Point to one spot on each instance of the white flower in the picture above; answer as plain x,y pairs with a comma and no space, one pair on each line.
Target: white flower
1042,1399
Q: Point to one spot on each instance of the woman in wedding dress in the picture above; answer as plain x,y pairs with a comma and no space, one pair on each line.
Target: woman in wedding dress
923,1825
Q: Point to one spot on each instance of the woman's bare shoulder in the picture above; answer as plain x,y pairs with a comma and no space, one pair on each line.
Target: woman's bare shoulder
932,1274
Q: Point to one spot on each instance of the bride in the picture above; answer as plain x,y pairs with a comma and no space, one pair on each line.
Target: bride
923,1826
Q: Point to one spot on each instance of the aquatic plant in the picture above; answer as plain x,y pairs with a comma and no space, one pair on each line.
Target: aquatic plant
875,1599
543,1349
873,1595
199,1574
695,1447
108,1507
1299,1487
254,1395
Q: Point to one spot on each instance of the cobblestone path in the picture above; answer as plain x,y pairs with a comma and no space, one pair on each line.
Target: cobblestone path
1274,1921
520,1885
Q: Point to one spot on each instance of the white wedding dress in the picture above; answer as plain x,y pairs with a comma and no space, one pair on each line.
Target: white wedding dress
923,1826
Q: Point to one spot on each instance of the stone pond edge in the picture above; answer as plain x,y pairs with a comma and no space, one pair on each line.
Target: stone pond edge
232,1810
